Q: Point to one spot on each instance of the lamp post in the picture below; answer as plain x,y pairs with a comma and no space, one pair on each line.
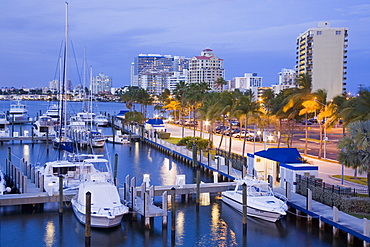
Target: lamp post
325,137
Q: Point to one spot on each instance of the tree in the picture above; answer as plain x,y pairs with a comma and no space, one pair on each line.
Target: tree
355,148
179,93
220,82
194,95
299,95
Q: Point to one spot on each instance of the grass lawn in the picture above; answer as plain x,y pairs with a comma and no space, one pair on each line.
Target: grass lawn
358,180
360,216
173,140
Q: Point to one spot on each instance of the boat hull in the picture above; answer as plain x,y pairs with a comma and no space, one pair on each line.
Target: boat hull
98,221
235,201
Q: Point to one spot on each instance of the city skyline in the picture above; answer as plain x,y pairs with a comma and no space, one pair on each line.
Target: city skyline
250,37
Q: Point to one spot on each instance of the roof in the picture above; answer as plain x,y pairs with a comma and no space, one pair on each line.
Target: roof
208,58
155,121
282,155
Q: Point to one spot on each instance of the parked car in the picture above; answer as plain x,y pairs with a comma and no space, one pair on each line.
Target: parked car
308,122
233,131
241,134
220,128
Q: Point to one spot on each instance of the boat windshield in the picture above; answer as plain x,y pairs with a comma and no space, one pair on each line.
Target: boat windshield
259,190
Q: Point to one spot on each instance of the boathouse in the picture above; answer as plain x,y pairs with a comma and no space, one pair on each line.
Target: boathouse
155,124
282,164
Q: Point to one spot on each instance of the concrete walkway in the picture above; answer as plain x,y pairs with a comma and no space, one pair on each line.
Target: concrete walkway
327,168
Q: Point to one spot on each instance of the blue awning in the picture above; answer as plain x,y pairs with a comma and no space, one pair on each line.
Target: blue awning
155,121
282,155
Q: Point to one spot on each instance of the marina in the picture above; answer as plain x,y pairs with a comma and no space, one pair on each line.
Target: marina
163,179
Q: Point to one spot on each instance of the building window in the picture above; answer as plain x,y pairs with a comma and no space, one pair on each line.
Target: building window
319,32
338,32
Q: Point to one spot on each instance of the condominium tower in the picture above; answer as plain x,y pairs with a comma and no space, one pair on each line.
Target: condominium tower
206,68
321,52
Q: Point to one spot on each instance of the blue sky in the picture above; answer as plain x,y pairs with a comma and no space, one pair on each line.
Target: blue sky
251,36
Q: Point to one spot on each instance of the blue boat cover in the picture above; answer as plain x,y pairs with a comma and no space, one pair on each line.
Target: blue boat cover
282,155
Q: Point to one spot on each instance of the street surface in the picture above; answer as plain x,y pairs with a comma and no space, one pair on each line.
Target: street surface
326,167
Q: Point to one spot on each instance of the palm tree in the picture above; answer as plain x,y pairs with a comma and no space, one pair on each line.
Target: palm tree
299,95
355,148
357,108
247,109
220,82
179,92
194,95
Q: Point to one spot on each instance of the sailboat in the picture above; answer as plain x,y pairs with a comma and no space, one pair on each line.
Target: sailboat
62,141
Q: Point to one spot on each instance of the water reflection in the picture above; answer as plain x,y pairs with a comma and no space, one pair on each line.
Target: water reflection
49,238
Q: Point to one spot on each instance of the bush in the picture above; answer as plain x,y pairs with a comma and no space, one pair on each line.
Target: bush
164,135
188,142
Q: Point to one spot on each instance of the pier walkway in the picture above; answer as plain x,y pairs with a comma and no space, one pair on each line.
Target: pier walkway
356,227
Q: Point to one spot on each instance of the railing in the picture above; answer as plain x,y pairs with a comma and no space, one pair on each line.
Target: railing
335,189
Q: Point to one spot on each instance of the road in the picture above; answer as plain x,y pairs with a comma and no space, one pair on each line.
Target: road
326,167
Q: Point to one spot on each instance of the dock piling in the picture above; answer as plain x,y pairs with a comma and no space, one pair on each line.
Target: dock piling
88,220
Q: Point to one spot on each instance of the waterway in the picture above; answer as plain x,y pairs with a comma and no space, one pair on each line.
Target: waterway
213,223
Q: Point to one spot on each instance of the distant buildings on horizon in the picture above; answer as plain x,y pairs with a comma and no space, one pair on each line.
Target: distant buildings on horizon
320,52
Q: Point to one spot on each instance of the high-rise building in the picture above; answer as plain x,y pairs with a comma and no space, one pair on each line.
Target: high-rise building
155,72
250,81
101,83
287,79
321,52
206,68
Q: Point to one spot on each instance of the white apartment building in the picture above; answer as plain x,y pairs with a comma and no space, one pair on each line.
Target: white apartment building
101,83
155,72
250,81
287,78
206,68
321,52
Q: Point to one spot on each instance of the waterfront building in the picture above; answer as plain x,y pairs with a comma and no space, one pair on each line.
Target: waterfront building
206,68
54,86
287,79
101,83
155,72
321,52
250,81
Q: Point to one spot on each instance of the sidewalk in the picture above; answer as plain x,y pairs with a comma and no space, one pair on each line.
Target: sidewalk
326,167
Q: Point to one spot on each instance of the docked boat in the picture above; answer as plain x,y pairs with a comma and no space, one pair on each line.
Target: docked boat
54,112
18,112
4,130
97,140
2,183
44,126
87,117
261,201
72,168
119,138
106,207
101,120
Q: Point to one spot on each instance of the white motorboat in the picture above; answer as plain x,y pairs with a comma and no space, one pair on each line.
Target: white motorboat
54,112
101,120
97,140
261,201
73,170
121,139
18,112
44,126
87,117
4,130
106,207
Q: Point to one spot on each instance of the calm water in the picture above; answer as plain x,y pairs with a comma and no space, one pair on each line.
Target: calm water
212,224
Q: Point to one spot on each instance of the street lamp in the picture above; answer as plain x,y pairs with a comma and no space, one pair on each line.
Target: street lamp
325,137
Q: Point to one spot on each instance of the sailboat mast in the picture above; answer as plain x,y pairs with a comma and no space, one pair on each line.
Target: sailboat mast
66,68
91,87
84,86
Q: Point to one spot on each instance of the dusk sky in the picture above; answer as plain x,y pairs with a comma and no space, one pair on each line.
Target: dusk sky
251,36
